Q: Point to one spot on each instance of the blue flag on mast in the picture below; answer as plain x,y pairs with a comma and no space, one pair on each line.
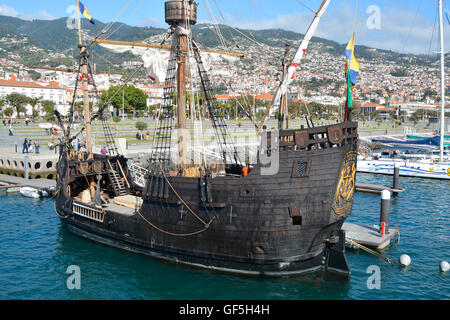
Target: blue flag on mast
85,12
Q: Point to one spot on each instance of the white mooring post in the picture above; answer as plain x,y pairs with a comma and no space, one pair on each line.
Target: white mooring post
384,211
26,161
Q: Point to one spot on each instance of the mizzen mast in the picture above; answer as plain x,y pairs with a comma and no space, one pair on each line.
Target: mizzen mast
85,83
283,119
87,116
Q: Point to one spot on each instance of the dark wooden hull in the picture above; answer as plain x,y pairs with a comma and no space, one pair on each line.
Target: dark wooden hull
274,225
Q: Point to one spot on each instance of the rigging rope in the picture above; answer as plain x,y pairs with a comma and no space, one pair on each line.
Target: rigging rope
110,24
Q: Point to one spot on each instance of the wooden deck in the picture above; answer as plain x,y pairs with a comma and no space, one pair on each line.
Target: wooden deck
13,184
368,236
373,188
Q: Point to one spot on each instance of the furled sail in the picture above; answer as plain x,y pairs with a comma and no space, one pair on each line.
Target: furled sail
289,77
156,60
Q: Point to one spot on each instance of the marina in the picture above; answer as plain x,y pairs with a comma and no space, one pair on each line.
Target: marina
33,234
281,202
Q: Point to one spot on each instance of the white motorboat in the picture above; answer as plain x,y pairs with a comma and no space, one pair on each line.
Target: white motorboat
33,192
408,168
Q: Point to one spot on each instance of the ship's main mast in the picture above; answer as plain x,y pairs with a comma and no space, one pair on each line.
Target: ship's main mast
180,15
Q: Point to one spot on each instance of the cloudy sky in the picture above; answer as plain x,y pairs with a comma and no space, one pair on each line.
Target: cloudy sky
406,26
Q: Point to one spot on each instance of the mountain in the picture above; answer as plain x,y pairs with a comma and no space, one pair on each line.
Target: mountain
54,35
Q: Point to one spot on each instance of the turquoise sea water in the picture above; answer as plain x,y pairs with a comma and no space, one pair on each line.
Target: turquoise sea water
35,252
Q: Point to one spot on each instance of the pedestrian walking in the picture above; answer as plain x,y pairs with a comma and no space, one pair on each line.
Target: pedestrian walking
25,146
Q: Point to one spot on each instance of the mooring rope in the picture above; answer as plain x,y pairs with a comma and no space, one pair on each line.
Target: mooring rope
374,253
56,193
177,234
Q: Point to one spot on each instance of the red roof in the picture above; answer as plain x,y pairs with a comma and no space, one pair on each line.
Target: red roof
224,97
301,101
28,84
371,105
264,96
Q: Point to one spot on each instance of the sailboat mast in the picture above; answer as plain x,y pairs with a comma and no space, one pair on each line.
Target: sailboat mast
441,27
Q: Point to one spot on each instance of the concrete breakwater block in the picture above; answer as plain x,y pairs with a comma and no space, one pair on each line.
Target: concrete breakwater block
35,165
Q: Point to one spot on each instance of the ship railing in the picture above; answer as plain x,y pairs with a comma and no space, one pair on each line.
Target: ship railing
88,212
316,138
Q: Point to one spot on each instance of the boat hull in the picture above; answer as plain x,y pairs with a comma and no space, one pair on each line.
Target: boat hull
281,224
407,169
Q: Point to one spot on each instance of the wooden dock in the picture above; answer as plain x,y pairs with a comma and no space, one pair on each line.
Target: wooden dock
13,184
377,189
368,236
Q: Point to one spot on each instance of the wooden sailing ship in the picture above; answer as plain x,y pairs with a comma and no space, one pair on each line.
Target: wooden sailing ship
233,217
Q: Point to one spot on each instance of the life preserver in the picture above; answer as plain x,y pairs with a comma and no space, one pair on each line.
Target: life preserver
448,172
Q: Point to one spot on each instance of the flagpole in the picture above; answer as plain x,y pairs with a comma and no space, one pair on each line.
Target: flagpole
79,22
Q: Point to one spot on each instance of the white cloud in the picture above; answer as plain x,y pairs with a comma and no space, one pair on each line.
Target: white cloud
150,21
8,11
401,30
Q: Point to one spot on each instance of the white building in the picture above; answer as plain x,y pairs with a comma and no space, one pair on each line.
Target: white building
45,91
154,93
411,107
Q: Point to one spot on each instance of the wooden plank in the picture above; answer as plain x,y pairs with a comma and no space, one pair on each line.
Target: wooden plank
368,236
128,201
34,183
372,188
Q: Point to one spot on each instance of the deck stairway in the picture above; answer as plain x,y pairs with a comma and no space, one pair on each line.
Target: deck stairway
116,181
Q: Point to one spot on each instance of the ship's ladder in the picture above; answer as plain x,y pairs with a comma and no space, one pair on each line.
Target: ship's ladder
116,181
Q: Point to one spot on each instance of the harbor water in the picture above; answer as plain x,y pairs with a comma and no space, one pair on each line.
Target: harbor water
36,251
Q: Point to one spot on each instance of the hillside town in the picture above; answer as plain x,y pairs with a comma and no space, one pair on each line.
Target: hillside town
385,89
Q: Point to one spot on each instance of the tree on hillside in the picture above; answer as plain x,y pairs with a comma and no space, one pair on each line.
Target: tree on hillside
18,102
33,102
141,126
79,108
8,112
49,109
134,98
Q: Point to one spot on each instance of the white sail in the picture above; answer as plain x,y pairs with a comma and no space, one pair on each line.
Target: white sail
156,60
289,77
